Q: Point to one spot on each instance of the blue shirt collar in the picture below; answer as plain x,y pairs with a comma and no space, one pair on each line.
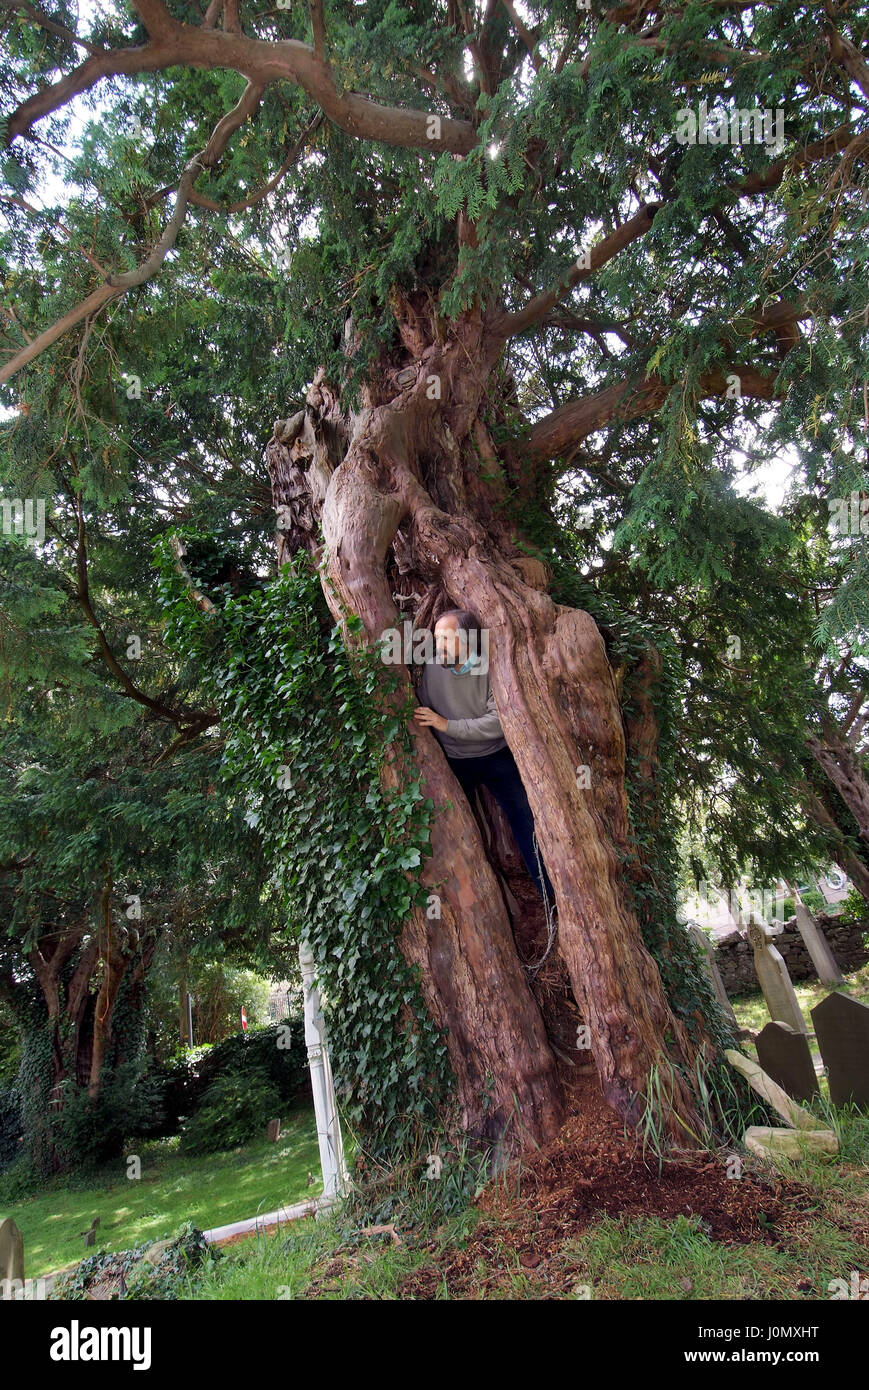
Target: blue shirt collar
463,670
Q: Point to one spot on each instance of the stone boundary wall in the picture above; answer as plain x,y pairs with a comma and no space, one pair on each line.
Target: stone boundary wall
736,960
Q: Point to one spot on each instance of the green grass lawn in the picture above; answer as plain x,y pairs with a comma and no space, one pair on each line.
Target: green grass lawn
209,1191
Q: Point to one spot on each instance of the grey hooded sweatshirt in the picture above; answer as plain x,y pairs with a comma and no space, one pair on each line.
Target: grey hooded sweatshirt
468,705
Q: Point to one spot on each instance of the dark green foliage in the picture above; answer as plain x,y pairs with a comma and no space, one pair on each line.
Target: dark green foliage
11,1128
10,1046
275,1056
234,1108
63,1122
89,1132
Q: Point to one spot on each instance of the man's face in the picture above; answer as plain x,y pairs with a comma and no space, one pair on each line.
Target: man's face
448,644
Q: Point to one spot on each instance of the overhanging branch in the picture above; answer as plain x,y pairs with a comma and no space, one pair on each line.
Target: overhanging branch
173,44
564,428
116,285
508,325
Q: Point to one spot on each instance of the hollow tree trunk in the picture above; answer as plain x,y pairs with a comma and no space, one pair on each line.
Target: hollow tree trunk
410,492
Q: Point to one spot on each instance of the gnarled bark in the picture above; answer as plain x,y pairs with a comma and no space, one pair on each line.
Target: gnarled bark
409,516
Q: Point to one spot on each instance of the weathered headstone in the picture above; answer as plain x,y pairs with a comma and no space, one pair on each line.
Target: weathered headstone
791,1143
818,947
773,977
11,1252
784,1055
91,1234
699,936
274,1130
842,1029
772,1092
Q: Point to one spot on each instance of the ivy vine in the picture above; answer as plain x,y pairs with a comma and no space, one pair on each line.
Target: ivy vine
307,724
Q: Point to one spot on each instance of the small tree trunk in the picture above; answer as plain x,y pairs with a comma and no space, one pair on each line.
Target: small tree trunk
78,1016
844,769
113,966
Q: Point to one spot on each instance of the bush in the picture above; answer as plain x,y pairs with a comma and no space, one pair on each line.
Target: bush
235,1107
91,1131
185,1082
854,905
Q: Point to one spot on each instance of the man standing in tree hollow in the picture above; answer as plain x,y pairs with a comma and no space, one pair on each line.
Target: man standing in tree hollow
459,707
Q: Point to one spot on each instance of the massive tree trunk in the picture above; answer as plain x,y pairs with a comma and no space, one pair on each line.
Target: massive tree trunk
411,492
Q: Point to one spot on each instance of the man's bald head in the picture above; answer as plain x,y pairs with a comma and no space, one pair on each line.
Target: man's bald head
457,635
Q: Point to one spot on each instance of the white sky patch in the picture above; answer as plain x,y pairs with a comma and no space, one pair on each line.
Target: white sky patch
771,482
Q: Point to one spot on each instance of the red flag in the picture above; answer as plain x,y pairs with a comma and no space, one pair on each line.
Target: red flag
243,1020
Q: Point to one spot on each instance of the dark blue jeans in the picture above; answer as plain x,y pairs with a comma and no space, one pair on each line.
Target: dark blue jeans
498,772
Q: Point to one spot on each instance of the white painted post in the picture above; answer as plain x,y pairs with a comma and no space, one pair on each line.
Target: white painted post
332,1161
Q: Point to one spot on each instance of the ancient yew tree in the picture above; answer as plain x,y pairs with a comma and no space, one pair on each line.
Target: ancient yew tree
527,280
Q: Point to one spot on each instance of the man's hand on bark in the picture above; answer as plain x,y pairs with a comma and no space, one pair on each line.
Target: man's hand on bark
423,715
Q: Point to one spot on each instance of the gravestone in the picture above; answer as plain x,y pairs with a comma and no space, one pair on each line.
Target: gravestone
91,1234
842,1029
11,1252
274,1130
792,1114
784,1055
791,1143
773,977
702,940
818,947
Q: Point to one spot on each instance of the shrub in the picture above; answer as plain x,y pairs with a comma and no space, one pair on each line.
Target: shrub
854,905
10,1046
185,1082
91,1131
235,1107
